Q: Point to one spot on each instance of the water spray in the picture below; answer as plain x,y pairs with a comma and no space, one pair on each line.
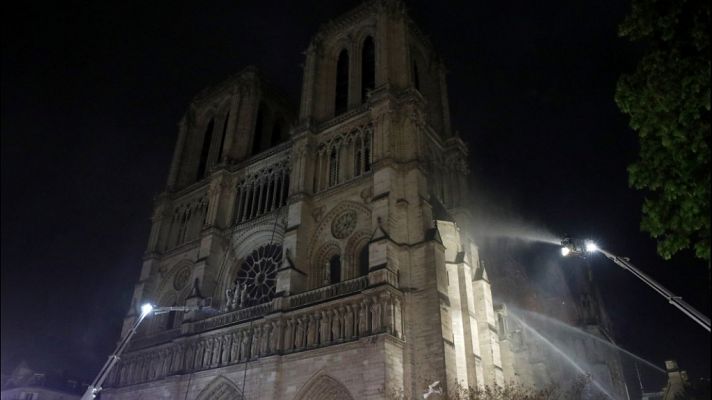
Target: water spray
566,327
582,248
561,353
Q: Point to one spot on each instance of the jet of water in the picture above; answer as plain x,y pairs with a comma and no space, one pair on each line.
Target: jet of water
577,331
560,352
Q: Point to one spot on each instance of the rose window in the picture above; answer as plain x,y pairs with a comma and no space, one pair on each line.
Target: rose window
259,273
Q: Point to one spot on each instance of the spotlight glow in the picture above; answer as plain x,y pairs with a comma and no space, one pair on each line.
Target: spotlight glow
591,246
146,309
565,251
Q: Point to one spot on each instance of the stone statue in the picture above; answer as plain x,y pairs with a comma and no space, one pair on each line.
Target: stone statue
243,295
264,343
189,354
336,326
229,297
287,260
254,349
244,346
198,356
217,352
376,317
363,319
225,358
387,302
208,353
348,323
289,335
299,334
324,328
166,368
235,348
276,335
233,296
311,331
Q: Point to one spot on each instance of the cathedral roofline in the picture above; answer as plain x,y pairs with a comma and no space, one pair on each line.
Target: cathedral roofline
248,78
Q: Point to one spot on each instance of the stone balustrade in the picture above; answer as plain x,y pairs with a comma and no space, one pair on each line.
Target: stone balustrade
327,292
230,318
336,321
141,342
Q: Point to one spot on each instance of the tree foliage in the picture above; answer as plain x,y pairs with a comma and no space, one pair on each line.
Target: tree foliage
668,101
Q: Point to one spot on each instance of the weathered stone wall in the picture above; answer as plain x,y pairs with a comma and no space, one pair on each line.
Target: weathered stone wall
386,175
366,368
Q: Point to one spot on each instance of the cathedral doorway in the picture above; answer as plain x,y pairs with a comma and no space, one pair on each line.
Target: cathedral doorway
324,387
221,388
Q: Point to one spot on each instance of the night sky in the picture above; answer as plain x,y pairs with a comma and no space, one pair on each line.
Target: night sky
92,93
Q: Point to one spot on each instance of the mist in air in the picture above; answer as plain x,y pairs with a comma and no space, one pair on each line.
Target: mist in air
494,220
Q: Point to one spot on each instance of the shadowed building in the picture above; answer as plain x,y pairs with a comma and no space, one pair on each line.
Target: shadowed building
329,239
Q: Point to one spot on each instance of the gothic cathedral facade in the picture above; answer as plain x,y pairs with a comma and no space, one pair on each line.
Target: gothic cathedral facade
326,244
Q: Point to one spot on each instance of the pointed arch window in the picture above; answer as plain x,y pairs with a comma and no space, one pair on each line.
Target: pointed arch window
222,140
358,155
363,261
368,67
335,269
342,83
207,138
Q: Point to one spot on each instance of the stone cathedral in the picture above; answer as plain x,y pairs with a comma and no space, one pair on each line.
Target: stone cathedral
326,244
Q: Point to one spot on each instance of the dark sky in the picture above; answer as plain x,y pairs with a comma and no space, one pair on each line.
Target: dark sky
92,93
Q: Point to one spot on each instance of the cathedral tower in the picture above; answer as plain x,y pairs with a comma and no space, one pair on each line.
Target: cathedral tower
326,244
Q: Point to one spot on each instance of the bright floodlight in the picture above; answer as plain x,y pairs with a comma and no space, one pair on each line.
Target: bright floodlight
146,309
591,246
565,251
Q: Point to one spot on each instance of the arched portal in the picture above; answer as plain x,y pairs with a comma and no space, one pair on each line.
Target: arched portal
323,387
220,388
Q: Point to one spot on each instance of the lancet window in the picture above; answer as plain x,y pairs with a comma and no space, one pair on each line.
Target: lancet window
205,151
262,193
222,139
342,83
368,67
363,261
335,269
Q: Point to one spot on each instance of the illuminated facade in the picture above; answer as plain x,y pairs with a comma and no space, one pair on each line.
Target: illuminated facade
328,240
